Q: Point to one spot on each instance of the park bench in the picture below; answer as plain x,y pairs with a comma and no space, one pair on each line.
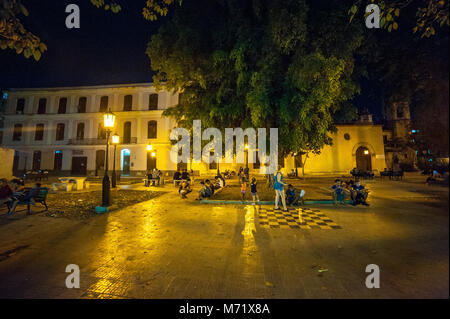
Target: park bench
392,174
40,198
362,175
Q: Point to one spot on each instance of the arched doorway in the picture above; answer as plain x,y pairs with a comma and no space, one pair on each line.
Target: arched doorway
363,159
125,161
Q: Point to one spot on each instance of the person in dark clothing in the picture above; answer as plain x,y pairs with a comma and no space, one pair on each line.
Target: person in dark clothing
184,189
5,191
23,197
359,194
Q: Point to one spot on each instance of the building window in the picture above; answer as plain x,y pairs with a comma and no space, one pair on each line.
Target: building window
1,137
62,105
80,131
127,133
400,112
60,127
39,132
17,134
385,139
20,108
153,102
42,106
103,104
82,102
128,103
152,129
101,133
37,160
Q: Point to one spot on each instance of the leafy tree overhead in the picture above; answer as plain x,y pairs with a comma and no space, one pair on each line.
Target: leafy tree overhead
429,15
259,64
13,35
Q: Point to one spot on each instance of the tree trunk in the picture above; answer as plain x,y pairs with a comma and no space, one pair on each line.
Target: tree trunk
303,164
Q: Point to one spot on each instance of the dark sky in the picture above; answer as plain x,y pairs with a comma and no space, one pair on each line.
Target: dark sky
107,49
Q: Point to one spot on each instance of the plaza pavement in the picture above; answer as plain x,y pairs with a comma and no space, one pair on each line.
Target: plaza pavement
173,248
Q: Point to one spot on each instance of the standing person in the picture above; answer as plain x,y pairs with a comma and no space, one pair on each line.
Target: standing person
278,186
243,188
254,191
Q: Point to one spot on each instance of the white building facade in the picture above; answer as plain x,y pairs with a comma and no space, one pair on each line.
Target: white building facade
61,129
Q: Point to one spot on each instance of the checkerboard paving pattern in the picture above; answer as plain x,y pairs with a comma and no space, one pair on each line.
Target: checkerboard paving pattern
309,219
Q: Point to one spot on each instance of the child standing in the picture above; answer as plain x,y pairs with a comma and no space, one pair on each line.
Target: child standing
243,188
254,191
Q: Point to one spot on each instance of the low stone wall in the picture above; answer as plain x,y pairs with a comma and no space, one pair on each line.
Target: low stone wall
6,169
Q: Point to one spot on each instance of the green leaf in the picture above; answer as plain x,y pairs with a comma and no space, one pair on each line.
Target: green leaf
24,10
43,47
37,55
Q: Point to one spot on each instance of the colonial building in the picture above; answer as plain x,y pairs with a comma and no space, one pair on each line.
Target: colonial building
61,130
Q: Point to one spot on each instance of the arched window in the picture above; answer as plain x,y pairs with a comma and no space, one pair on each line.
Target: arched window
39,132
60,127
127,102
152,129
42,106
62,105
17,134
103,104
127,133
20,108
82,102
80,131
153,102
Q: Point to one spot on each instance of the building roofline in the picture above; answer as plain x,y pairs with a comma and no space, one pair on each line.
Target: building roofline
108,86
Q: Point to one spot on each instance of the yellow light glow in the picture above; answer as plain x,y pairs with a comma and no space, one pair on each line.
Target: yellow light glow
108,120
366,152
149,148
153,154
115,139
246,146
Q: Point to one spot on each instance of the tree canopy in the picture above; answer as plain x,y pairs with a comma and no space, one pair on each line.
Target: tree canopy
259,64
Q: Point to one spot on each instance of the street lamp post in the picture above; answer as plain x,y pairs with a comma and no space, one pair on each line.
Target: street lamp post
246,155
108,123
115,141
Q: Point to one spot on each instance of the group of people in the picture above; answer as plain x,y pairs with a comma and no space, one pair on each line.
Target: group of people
290,197
285,197
13,192
154,177
208,188
354,189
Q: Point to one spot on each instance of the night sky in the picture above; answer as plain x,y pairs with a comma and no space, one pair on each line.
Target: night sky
108,48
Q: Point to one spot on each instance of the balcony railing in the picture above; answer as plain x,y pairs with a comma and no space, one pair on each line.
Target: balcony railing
99,141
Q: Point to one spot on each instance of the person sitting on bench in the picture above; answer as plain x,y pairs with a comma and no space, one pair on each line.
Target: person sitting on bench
176,178
338,192
204,192
359,194
26,196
